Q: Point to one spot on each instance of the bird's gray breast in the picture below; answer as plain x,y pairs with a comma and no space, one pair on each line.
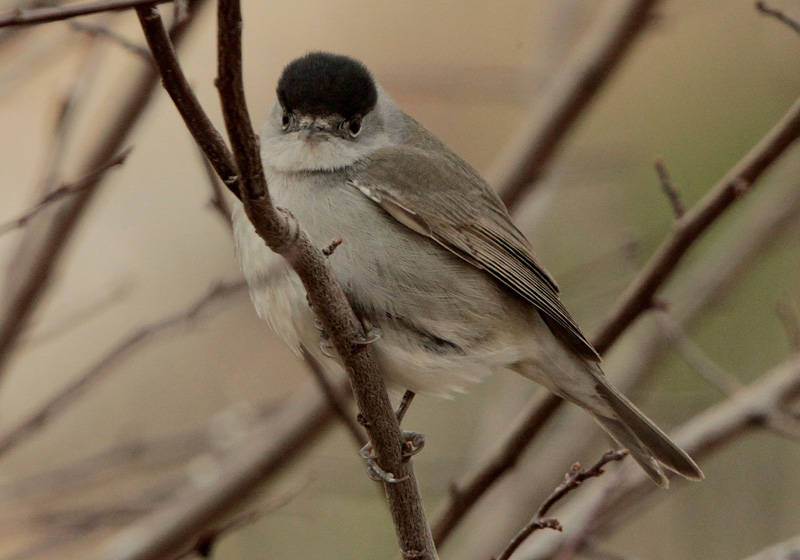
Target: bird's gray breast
394,277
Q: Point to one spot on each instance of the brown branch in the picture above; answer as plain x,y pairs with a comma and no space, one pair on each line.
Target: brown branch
763,8
284,236
763,225
263,454
176,84
638,297
73,390
707,432
572,480
35,260
559,108
44,15
87,181
103,32
669,189
466,492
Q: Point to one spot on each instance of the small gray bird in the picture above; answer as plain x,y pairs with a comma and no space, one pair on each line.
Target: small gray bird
430,260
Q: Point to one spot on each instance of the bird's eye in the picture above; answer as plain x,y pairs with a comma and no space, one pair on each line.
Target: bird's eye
354,126
286,120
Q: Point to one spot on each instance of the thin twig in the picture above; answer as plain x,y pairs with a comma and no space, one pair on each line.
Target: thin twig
763,225
570,93
217,201
669,189
704,366
41,248
640,293
706,432
87,181
176,84
44,15
101,31
574,478
284,236
779,15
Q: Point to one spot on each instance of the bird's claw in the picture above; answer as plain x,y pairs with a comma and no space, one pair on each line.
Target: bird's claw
413,444
374,471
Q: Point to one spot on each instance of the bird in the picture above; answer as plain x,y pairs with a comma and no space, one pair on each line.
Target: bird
447,287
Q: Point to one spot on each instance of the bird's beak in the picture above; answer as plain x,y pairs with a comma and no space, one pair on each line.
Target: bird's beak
314,127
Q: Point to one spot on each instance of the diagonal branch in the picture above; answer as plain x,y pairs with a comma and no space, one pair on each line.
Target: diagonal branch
638,297
283,235
40,251
45,15
543,132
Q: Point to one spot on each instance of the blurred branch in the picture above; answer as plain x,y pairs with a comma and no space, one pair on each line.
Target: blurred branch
70,394
638,297
669,189
284,236
706,368
339,403
524,162
87,181
779,15
260,456
35,261
787,550
44,15
763,224
572,480
789,315
103,32
705,433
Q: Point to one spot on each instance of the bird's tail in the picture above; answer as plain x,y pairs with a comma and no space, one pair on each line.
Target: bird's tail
647,444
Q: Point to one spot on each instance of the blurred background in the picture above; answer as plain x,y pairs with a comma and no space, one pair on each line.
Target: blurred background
703,83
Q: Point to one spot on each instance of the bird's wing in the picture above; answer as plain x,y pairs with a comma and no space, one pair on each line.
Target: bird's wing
446,200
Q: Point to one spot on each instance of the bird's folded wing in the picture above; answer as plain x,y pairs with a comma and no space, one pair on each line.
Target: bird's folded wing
444,199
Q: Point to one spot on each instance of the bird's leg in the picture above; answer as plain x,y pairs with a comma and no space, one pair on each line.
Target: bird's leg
413,442
371,333
325,345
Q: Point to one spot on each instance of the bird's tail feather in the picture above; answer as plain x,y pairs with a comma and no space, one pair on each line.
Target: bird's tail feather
647,444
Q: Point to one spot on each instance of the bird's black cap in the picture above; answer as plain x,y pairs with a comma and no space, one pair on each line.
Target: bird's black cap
323,84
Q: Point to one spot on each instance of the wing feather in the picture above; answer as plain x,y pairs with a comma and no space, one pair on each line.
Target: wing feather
476,226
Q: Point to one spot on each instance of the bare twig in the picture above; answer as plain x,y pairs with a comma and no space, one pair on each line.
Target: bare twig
526,160
104,32
466,492
763,225
749,408
40,251
669,189
106,364
574,478
717,377
58,13
260,456
639,295
87,181
779,15
283,235
176,84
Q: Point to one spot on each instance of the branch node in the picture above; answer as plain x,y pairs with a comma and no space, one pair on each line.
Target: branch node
331,247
